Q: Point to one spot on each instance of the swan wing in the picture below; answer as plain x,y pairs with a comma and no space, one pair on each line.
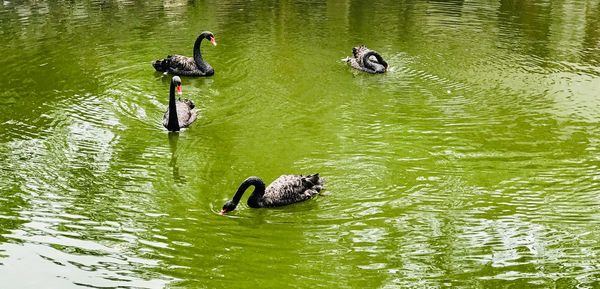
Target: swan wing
166,118
193,114
181,63
356,65
182,66
289,189
196,72
184,113
367,60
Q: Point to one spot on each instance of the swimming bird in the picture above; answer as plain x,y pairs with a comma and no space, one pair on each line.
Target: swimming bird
188,66
181,113
285,190
367,60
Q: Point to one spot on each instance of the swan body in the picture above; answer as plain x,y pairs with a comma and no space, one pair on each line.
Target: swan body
180,113
285,190
188,66
367,60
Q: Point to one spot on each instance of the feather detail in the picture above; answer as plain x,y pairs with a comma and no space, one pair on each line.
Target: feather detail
288,189
367,60
186,114
186,66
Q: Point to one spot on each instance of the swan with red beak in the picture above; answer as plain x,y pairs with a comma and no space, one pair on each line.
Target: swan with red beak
181,113
188,66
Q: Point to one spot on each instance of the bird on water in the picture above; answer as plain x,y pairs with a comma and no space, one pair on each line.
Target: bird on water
180,113
367,60
285,190
188,66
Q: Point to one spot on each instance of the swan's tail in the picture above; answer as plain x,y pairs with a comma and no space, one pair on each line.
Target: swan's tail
160,64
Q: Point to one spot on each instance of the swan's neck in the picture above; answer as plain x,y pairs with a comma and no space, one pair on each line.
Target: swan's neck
198,54
173,124
257,194
366,60
368,63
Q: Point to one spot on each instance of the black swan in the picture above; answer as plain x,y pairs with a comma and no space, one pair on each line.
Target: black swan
367,60
181,113
188,66
285,190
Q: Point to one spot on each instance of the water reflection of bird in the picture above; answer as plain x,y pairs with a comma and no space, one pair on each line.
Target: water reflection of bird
367,60
181,113
173,140
188,66
285,190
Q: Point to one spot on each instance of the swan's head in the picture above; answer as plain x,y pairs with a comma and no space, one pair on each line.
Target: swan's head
228,207
176,81
211,37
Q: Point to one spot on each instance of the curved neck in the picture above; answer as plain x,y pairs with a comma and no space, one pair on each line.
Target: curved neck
173,124
197,53
367,61
259,190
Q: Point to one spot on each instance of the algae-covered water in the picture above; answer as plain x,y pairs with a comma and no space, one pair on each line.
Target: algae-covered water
474,162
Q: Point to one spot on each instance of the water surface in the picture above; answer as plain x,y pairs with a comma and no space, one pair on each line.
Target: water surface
473,163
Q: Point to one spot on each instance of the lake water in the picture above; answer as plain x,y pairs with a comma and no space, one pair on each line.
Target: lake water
474,162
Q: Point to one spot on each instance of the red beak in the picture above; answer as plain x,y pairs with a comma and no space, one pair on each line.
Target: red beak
213,41
178,88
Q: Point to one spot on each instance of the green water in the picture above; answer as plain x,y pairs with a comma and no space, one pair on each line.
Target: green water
474,162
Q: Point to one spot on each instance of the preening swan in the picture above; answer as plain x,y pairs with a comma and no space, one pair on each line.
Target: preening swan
181,113
366,60
285,190
188,66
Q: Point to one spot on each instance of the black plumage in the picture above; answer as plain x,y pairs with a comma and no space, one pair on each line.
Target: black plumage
285,190
367,60
180,113
188,66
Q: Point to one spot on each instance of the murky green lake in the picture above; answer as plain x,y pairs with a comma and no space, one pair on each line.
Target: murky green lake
474,162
